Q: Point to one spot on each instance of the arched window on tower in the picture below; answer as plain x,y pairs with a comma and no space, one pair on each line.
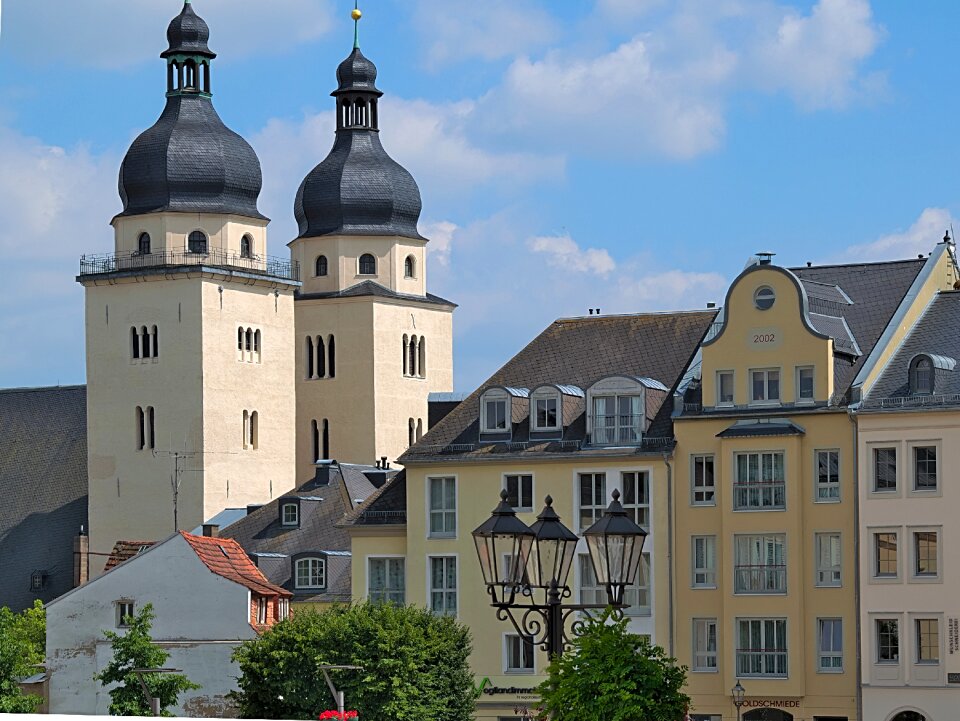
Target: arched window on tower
332,358
143,244
321,266
412,352
315,435
308,357
254,430
246,246
368,264
406,342
345,114
156,341
419,428
144,342
190,81
321,358
239,343
152,432
248,343
409,267
359,112
197,242
422,357
141,430
256,344
135,340
246,429
326,439
410,432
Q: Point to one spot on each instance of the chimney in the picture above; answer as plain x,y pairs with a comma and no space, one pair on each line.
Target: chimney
81,558
322,475
383,463
211,530
711,305
598,311
590,311
765,257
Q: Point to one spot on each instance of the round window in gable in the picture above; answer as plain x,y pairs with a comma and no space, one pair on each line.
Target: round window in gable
763,298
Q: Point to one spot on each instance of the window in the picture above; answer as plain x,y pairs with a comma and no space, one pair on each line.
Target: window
310,572
443,506
422,357
885,554
760,564
144,343
387,580
760,481
546,416
925,468
125,610
409,265
141,430
519,653
143,244
321,358
704,561
320,266
805,385
368,264
38,580
290,515
926,561
331,357
156,341
411,432
152,428
704,644
494,411
419,428
636,597
283,609
251,431
617,419
519,491
443,585
197,243
635,486
593,496
326,439
928,640
888,640
413,356
764,298
590,592
315,434
828,476
261,610
724,388
830,645
884,470
704,488
828,559
765,385
135,338
921,376
146,433
405,356
762,647
246,246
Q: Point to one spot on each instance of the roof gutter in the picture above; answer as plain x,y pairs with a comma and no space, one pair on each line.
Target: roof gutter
670,580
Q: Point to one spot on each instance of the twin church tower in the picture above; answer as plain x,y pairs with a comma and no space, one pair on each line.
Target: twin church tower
217,374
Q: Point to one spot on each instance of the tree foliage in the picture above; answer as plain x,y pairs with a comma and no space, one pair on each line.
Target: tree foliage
612,674
415,665
22,649
135,649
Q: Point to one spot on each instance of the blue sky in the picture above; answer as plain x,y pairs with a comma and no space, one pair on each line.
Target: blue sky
622,154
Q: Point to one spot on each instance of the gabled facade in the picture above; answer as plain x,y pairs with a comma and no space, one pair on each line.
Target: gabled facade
207,597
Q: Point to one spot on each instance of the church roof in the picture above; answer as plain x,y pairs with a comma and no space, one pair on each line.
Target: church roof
188,34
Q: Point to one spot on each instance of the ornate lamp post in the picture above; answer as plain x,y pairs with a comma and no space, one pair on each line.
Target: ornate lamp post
529,587
738,693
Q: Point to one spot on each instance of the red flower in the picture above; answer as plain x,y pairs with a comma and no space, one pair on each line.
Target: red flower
337,716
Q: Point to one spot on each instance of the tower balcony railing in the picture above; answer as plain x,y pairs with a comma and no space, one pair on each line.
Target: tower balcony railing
213,257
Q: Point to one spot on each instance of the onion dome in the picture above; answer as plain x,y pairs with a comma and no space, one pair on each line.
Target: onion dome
358,189
189,161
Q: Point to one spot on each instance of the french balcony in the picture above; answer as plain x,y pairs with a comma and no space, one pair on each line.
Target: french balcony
616,430
761,495
760,579
762,662
268,266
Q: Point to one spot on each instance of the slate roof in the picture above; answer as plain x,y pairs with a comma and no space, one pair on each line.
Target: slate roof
937,332
323,505
187,34
579,352
43,485
124,551
386,507
225,557
875,290
371,288
762,427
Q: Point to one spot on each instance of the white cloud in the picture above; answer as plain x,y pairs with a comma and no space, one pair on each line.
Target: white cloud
119,33
440,233
564,253
669,290
921,237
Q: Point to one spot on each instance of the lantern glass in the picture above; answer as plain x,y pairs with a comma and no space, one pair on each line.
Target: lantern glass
503,548
550,561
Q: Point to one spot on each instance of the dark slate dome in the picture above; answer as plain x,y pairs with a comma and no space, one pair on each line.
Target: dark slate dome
358,189
189,161
188,34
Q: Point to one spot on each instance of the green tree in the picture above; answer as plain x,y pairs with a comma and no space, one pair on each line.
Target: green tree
415,665
614,675
135,649
22,649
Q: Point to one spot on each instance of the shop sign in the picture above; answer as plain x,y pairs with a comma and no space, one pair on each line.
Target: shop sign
953,635
771,703
489,689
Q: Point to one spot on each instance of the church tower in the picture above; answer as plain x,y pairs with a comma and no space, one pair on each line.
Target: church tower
189,325
372,343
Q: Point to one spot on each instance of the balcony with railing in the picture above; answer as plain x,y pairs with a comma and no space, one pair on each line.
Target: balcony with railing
621,429
762,662
267,266
760,579
762,495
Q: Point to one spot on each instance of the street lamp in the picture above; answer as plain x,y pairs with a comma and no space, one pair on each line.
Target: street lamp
538,561
152,700
738,693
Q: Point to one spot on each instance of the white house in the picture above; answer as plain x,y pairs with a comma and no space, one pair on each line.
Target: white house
207,596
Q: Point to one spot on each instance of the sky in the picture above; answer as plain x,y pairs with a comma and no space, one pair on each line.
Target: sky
627,155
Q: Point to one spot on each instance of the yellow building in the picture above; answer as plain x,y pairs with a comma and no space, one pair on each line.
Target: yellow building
578,413
765,498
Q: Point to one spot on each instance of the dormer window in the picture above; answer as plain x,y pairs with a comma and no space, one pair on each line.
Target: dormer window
289,514
616,409
545,409
921,376
493,411
310,572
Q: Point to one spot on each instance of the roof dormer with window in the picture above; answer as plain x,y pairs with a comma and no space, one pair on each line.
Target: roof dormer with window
617,409
552,408
499,407
925,371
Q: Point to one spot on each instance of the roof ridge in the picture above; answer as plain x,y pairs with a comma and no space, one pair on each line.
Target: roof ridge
43,389
862,263
643,314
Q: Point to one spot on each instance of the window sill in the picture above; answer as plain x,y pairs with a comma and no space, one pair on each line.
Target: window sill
759,510
885,579
830,670
704,670
765,404
694,504
926,579
520,672
441,536
828,585
827,500
925,493
712,587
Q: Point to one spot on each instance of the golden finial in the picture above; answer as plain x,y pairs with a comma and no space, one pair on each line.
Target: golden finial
356,14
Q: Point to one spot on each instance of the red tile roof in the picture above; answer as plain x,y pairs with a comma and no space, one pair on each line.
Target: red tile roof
124,551
226,558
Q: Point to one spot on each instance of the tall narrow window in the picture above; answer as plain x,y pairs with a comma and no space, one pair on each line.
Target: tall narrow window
888,640
321,358
144,342
254,429
246,246
156,341
248,340
412,365
635,486
246,429
406,364
828,559
928,640
135,339
593,498
443,585
704,644
925,468
926,556
315,435
885,555
419,428
256,344
308,356
326,439
332,356
442,503
884,470
409,267
921,376
240,342
704,562
143,244
152,431
724,388
805,385
830,645
410,432
828,476
321,266
422,357
141,430
368,264
703,492
197,243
